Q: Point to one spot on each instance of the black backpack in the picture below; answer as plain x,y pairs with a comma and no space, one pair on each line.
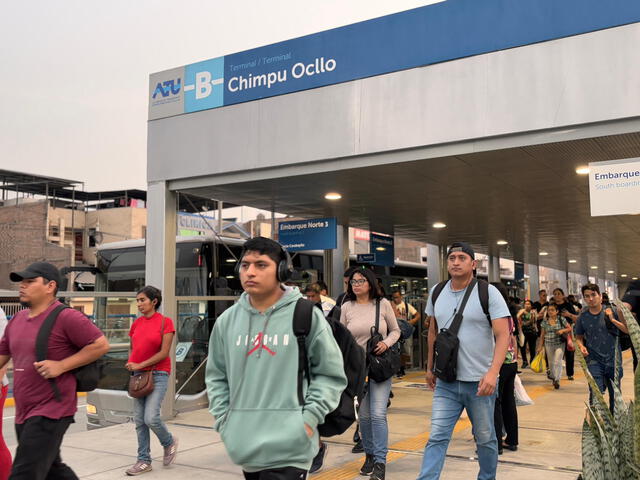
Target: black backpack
483,294
338,421
87,376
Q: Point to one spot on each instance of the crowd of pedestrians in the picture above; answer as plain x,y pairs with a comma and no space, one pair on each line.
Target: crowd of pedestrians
267,375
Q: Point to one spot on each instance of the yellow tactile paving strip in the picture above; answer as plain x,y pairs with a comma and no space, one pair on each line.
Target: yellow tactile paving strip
416,443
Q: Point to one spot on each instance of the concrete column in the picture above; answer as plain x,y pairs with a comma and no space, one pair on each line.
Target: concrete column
160,266
494,268
435,270
336,261
534,282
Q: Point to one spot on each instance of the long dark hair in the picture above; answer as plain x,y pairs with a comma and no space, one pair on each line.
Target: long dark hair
372,280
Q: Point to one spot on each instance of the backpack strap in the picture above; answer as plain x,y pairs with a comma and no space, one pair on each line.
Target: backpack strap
436,293
483,293
302,316
42,343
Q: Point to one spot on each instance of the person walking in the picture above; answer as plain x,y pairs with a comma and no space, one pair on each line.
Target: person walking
597,336
151,338
252,371
359,316
45,391
527,318
483,342
506,413
406,312
551,330
570,314
5,454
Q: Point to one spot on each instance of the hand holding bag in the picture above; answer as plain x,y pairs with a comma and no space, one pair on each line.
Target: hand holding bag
384,366
141,383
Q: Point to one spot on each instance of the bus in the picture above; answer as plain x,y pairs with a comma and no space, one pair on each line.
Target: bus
205,268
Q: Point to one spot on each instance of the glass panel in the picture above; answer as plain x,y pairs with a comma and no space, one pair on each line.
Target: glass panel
195,321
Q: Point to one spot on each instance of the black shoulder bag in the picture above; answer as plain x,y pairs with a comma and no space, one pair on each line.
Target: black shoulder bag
381,367
445,362
87,376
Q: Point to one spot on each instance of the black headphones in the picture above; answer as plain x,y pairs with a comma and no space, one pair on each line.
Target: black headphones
283,271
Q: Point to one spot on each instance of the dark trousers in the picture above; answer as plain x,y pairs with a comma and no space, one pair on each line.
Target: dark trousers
505,412
286,473
38,453
569,361
530,340
635,358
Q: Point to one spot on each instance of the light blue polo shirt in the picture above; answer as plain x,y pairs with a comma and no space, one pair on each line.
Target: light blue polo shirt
476,336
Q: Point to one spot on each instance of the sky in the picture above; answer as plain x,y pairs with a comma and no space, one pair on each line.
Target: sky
74,73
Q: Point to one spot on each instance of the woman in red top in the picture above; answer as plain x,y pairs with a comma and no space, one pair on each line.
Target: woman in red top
150,346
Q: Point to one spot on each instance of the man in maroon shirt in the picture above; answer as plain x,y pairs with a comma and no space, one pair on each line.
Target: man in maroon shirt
41,418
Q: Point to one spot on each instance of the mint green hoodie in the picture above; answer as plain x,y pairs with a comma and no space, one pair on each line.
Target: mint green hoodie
252,381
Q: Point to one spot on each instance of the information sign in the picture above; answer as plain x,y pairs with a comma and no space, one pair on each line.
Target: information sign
383,248
315,234
614,187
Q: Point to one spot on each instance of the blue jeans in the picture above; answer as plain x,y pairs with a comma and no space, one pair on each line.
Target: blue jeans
373,420
146,414
449,399
604,375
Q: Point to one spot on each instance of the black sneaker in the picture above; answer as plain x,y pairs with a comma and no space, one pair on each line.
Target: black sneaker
571,377
318,460
367,467
556,384
378,471
357,448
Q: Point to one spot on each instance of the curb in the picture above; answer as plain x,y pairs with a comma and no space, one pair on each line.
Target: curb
11,402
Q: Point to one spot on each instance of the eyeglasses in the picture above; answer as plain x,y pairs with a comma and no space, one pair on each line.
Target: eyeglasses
357,282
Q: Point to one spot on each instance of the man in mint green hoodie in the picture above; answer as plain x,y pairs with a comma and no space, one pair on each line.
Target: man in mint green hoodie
252,372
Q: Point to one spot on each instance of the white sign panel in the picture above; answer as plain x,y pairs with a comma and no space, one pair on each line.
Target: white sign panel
614,187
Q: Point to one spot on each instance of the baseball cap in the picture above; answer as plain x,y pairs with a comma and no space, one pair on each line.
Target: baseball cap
38,269
461,247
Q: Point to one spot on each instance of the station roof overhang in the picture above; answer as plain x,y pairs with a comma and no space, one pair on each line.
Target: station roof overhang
520,188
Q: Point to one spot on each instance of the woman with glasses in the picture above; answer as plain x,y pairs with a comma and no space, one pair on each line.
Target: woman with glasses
358,315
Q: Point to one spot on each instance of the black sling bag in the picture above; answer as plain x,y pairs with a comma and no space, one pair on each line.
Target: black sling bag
445,362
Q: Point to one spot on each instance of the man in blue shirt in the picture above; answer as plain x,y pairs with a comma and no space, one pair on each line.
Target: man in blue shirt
479,360
597,331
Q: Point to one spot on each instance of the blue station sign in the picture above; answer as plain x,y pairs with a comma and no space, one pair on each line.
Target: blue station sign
366,258
441,31
382,246
316,234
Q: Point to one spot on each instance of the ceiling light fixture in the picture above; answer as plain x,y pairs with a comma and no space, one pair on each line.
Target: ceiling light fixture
544,254
583,170
594,267
333,196
502,242
231,260
623,275
573,261
439,225
609,271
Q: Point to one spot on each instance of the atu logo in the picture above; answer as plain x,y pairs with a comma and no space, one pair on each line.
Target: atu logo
170,87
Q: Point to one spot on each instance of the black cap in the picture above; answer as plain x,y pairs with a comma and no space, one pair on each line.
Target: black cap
461,247
38,269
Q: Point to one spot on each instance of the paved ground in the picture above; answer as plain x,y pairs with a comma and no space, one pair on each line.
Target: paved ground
549,440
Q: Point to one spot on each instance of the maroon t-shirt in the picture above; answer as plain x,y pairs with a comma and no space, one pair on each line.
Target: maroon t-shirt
33,394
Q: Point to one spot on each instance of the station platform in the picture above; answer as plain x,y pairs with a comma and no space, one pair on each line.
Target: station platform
549,440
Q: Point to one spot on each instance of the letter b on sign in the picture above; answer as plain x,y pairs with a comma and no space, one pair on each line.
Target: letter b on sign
204,85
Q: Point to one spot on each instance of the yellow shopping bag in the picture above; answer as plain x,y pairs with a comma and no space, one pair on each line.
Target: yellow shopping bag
539,365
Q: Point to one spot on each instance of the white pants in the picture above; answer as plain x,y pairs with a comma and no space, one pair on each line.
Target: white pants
554,357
